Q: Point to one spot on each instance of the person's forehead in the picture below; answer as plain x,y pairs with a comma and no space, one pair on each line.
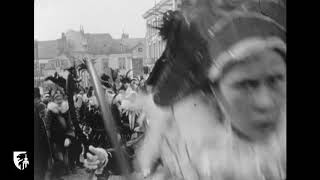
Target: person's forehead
261,64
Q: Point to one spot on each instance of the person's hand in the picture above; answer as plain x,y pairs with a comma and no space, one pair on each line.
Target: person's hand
67,142
97,160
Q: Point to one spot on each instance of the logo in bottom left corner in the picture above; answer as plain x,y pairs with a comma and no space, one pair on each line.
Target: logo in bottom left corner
20,159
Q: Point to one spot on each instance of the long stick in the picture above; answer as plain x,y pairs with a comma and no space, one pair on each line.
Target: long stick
107,117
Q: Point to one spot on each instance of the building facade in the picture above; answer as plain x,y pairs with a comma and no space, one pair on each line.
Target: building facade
122,54
154,44
46,62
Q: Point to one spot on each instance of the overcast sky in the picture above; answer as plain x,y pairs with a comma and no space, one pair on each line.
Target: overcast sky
52,17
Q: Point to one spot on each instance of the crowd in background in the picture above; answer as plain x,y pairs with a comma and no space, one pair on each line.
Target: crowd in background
59,144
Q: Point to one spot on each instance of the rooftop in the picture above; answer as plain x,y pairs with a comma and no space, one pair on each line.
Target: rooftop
125,45
48,49
97,44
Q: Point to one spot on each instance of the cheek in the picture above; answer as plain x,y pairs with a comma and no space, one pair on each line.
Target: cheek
282,92
235,99
237,103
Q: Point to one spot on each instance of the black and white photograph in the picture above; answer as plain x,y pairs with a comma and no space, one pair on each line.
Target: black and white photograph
159,90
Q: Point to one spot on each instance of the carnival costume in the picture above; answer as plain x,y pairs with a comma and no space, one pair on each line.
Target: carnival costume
189,131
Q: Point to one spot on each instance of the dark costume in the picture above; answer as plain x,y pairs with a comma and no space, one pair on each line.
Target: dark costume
60,128
41,144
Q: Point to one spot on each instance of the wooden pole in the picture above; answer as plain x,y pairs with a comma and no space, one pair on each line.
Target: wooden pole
108,119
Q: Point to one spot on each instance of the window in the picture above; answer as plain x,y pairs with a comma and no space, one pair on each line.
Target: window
154,25
150,51
64,63
159,49
122,63
105,63
154,50
140,49
42,68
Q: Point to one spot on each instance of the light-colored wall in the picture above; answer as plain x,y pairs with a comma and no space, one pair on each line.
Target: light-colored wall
137,54
100,63
114,62
154,43
76,41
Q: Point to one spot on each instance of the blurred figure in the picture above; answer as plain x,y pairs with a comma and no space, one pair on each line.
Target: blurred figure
78,99
134,85
41,143
61,133
92,99
85,96
46,98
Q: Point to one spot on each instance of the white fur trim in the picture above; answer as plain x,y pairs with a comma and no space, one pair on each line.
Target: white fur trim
243,49
52,106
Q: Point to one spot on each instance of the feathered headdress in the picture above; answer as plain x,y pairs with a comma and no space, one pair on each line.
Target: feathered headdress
234,29
181,68
126,78
58,80
206,35
105,81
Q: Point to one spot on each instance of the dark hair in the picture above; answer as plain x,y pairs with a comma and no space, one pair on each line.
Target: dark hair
182,67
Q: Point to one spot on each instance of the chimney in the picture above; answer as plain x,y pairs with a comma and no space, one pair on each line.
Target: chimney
124,36
81,30
63,37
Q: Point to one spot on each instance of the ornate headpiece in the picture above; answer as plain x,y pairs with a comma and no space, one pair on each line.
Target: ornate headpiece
235,29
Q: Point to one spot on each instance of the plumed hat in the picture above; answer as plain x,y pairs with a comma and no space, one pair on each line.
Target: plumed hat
204,36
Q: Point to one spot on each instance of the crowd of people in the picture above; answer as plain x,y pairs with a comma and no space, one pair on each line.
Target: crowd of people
213,107
59,147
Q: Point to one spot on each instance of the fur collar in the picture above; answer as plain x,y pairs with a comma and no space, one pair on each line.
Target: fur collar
217,150
52,106
213,149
